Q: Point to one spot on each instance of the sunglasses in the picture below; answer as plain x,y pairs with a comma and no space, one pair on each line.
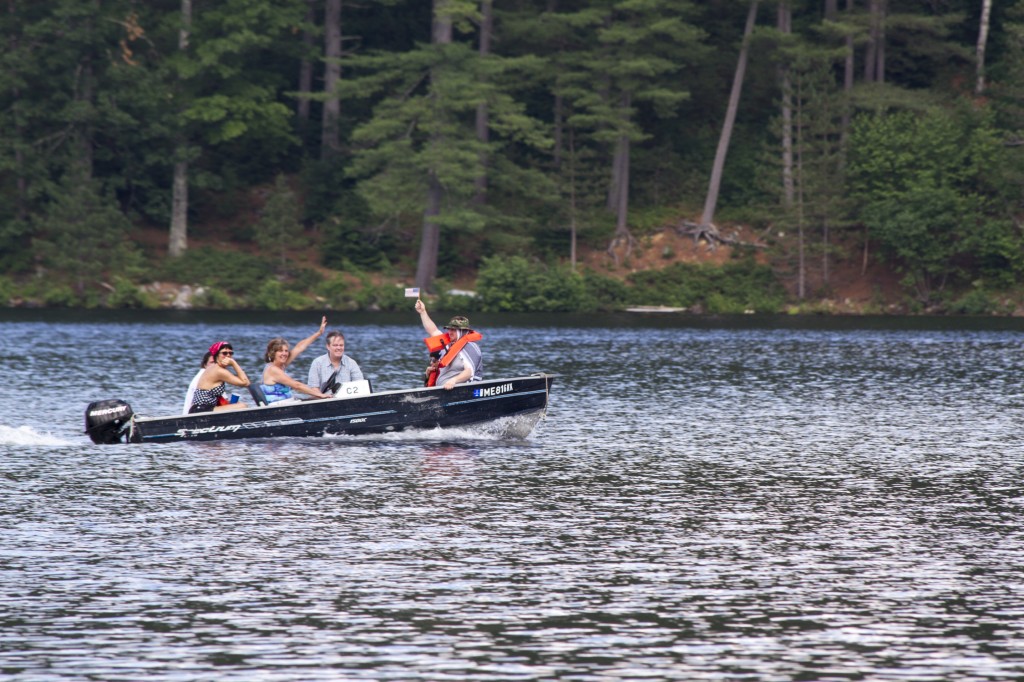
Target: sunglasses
226,352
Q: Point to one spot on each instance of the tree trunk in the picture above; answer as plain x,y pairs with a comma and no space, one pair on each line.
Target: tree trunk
306,66
622,205
801,286
785,26
426,265
869,49
482,124
621,190
880,52
178,243
558,123
572,201
430,245
824,251
557,115
21,181
847,89
730,118
85,94
329,140
615,182
874,57
986,11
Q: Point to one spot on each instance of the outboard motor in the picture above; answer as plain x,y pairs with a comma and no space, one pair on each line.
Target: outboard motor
106,420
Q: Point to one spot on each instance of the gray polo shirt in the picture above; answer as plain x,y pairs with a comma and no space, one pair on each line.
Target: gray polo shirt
322,368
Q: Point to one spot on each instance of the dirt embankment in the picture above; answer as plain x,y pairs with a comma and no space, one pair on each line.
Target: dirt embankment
842,284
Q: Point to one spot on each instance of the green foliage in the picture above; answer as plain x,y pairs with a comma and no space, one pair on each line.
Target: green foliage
446,300
127,294
941,189
278,230
15,246
337,293
272,295
46,292
517,284
731,288
608,292
419,154
977,301
81,236
387,296
7,291
923,185
348,239
216,299
229,271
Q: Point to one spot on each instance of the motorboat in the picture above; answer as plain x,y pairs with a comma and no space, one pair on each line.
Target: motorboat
507,408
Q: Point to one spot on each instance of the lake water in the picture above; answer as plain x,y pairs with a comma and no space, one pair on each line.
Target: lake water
752,499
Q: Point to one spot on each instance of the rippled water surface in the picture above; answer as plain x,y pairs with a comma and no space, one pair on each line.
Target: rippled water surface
753,500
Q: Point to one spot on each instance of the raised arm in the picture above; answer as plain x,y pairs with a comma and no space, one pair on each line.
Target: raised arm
428,324
304,344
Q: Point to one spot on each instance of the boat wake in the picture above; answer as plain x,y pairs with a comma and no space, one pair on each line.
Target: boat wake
517,427
26,435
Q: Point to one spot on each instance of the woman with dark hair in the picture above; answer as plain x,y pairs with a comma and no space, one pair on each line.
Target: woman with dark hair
210,386
277,385
191,391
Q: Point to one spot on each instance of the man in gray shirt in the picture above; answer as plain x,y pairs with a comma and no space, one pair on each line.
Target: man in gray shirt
333,362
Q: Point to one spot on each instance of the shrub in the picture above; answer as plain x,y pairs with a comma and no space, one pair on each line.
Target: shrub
215,299
127,294
382,297
338,293
232,271
977,301
607,292
279,228
518,285
730,288
54,294
272,295
7,291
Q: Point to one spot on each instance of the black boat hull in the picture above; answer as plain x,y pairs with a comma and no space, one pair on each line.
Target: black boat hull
509,408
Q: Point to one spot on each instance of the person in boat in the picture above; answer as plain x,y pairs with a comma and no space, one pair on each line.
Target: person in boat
210,387
207,361
459,358
333,367
277,384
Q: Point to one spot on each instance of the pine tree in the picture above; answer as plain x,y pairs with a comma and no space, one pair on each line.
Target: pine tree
279,229
420,156
631,55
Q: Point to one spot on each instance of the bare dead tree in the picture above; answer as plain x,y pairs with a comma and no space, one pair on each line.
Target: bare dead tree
178,243
986,12
330,143
715,184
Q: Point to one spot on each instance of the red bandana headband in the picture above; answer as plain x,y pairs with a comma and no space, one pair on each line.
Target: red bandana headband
215,348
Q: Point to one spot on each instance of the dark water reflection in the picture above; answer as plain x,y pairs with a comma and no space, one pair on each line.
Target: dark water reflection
760,500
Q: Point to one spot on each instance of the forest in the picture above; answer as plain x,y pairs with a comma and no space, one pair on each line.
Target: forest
294,154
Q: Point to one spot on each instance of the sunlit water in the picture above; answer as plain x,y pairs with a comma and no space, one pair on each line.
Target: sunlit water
761,500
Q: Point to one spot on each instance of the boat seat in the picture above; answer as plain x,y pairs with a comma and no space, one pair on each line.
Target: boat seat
257,394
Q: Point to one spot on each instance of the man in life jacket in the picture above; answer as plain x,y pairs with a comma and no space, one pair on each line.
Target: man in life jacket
459,357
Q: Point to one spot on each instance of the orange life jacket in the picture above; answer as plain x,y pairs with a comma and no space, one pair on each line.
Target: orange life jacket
435,344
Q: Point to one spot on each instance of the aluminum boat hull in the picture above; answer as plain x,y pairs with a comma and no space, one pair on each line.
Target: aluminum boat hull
504,407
